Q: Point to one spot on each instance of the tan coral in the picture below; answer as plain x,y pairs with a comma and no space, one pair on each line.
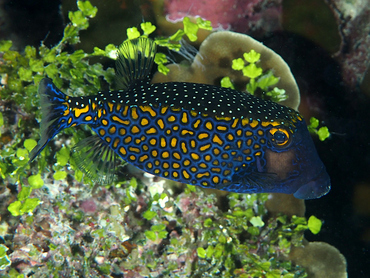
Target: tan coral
286,204
320,260
214,59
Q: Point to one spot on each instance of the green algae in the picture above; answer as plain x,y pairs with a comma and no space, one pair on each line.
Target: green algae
264,81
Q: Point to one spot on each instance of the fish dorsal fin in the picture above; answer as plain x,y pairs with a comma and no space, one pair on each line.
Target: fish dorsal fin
135,60
96,159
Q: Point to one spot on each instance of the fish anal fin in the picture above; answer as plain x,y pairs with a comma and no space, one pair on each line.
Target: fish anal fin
95,159
135,61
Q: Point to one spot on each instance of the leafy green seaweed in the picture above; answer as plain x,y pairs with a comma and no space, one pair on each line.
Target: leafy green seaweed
257,78
322,132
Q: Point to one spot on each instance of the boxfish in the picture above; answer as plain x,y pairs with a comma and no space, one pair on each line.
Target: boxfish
197,134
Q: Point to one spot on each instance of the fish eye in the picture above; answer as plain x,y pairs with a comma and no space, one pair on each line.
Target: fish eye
279,136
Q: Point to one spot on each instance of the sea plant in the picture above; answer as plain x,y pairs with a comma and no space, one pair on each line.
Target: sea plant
257,78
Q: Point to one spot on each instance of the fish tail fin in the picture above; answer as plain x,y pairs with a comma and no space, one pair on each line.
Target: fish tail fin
53,106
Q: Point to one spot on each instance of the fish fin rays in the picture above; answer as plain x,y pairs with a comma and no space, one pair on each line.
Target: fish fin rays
245,181
95,159
135,61
53,105
259,180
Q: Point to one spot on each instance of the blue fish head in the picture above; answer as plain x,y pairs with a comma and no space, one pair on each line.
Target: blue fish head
295,163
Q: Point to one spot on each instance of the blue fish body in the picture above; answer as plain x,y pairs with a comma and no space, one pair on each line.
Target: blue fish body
198,134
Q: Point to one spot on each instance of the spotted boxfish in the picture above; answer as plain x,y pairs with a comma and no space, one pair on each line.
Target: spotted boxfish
192,133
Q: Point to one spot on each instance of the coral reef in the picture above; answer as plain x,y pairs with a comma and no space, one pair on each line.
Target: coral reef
259,18
138,230
320,259
354,29
253,16
56,223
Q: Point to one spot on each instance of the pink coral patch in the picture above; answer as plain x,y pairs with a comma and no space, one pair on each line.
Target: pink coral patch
236,15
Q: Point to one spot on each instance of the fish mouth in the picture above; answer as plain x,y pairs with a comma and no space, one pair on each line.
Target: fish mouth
315,188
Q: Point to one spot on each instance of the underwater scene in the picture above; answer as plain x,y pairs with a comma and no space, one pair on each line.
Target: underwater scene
167,138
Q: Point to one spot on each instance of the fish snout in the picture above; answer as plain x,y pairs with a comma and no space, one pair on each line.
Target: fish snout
315,188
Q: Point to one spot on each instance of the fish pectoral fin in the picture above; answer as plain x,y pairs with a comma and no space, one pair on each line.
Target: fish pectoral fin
95,159
245,181
260,180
